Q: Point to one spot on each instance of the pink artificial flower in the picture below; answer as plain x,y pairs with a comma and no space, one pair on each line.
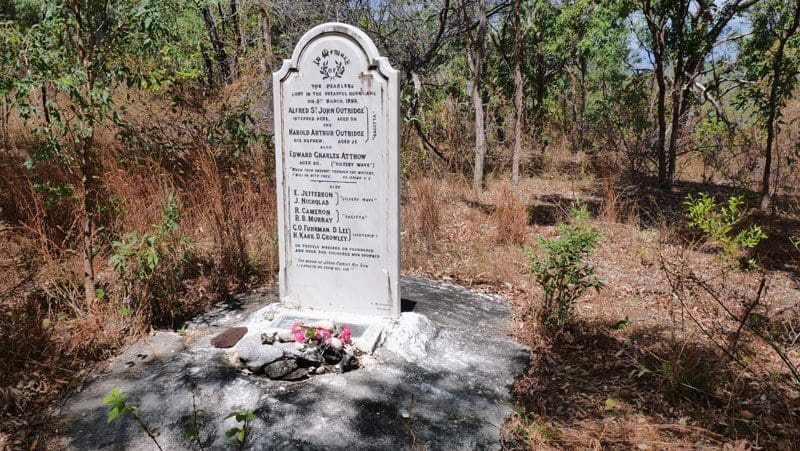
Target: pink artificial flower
299,332
344,335
324,335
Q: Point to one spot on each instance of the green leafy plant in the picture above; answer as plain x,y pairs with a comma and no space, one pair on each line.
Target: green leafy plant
150,265
529,430
119,407
563,271
718,222
238,435
192,425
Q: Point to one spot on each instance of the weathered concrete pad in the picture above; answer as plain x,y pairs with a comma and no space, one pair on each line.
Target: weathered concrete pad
459,389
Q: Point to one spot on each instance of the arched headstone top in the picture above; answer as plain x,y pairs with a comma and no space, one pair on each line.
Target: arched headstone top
337,30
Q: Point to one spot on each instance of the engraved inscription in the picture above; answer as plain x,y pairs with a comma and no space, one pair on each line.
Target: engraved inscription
338,240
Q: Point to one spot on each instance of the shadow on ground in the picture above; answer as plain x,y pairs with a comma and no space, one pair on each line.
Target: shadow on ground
639,387
457,397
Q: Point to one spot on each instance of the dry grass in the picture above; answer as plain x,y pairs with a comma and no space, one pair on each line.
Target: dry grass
668,386
48,337
511,217
631,343
425,203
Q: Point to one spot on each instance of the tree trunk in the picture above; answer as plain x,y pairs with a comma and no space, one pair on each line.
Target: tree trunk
413,110
573,135
237,36
88,176
209,65
661,110
518,95
45,109
675,129
584,66
217,45
477,98
89,184
540,88
772,110
679,79
266,55
88,161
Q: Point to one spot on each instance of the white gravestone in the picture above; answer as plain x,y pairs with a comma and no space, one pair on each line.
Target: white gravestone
337,164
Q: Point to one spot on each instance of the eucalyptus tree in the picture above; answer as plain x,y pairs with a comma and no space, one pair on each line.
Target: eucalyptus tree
476,57
771,59
83,51
519,33
682,35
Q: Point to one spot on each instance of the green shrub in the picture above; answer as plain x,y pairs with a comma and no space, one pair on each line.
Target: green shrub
718,223
119,407
238,435
562,271
150,266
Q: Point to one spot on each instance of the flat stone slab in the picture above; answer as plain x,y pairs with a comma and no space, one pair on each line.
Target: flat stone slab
449,391
229,338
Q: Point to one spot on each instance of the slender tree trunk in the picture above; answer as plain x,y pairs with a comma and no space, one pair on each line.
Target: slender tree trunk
675,128
266,37
45,109
412,112
661,110
679,79
209,65
477,98
540,88
573,78
584,66
772,110
518,95
217,45
88,178
4,114
88,161
237,35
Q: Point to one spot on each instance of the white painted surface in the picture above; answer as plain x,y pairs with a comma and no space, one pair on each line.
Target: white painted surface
337,163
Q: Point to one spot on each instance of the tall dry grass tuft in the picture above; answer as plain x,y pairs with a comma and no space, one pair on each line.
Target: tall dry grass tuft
511,217
237,209
222,215
425,209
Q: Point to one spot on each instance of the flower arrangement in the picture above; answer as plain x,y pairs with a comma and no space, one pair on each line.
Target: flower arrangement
316,335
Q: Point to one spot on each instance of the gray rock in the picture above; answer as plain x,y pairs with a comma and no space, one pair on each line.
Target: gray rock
255,355
286,336
279,369
333,357
311,357
296,375
410,336
268,338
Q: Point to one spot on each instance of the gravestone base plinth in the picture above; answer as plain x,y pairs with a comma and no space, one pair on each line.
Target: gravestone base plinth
279,318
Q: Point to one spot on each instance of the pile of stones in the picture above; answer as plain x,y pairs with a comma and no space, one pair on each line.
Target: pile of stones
277,355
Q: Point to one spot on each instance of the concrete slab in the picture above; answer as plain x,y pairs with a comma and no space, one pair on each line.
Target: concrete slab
452,395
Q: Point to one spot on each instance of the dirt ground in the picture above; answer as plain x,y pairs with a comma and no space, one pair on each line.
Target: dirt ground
634,369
